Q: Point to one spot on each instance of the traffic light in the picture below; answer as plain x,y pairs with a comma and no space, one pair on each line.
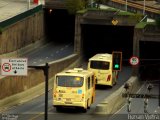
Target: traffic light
116,60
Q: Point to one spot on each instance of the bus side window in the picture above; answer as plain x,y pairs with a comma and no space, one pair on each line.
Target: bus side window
89,85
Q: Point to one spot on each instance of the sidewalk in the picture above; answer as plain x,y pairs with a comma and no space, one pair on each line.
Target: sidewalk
150,3
10,8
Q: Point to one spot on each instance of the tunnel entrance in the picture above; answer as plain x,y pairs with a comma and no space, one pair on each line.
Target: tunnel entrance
149,60
107,38
59,25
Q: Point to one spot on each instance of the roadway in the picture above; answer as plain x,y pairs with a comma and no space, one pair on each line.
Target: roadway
49,52
34,109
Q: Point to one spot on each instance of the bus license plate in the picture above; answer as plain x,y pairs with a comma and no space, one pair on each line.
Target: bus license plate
68,102
68,99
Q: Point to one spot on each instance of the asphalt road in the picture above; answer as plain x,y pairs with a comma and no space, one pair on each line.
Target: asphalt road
34,109
49,52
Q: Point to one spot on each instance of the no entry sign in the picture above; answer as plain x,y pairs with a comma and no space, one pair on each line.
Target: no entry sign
134,60
14,67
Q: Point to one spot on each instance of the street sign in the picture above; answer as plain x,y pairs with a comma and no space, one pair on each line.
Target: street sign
14,67
114,22
134,60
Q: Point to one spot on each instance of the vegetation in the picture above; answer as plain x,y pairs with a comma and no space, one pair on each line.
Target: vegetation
141,25
75,5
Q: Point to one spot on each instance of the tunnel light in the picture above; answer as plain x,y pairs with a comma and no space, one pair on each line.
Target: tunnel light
50,10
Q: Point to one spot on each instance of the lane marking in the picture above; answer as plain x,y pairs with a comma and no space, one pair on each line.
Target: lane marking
40,114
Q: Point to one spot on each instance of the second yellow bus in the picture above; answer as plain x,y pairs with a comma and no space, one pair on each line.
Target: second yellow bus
101,65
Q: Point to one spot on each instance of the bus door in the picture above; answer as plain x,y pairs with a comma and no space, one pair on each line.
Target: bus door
90,90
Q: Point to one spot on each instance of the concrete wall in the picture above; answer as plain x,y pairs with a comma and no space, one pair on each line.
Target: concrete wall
22,33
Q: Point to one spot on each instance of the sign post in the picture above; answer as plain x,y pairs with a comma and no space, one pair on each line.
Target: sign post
46,73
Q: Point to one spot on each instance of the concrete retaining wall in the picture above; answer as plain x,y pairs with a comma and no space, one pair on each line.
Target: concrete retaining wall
115,101
22,33
16,87
22,51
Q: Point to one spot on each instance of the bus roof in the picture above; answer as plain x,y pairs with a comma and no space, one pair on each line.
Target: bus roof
102,57
75,72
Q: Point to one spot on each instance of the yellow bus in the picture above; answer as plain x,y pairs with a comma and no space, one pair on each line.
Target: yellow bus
101,65
74,88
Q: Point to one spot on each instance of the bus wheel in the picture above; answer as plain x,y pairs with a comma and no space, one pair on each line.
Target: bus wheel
58,108
88,107
84,110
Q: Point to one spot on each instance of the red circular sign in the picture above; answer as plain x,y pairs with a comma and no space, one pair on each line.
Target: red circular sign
134,60
6,67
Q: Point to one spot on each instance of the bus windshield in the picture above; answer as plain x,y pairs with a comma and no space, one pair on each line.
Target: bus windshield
69,81
99,65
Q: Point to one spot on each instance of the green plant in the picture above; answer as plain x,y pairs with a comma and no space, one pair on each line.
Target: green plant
74,5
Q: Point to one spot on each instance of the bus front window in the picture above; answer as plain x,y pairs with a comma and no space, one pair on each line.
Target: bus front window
70,81
99,65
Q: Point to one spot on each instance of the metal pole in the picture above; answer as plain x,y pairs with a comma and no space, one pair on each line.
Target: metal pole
46,74
144,6
91,2
29,4
46,91
126,5
159,93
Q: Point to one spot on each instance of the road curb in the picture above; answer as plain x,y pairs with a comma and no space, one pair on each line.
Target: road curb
115,101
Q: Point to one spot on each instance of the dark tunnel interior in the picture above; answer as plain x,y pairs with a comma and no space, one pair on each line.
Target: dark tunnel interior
107,38
59,25
149,60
